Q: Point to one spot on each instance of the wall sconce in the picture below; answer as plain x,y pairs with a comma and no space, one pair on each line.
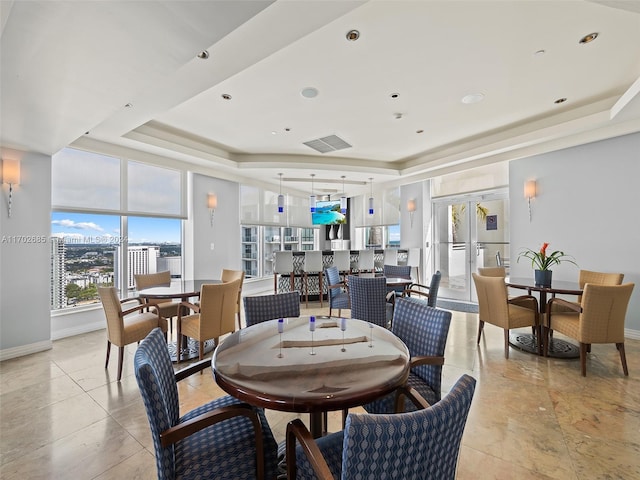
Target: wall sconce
529,193
11,176
411,208
212,203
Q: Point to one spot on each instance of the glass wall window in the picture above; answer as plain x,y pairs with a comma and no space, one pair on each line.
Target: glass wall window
101,236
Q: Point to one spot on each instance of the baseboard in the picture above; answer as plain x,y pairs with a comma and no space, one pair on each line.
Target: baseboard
23,350
632,334
70,332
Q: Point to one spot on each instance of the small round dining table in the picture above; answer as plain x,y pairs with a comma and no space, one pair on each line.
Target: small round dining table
181,290
297,372
526,341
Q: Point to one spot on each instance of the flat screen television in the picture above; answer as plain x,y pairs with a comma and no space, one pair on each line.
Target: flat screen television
328,213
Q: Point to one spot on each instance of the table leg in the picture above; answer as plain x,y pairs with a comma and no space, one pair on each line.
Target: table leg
317,425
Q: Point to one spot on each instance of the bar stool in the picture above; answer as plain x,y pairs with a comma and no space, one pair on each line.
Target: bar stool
366,261
390,256
312,264
413,260
283,265
342,261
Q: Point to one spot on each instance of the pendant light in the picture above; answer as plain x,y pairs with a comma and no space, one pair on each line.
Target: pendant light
371,198
312,197
280,197
343,199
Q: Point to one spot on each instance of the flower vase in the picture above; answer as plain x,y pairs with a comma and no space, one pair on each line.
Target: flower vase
339,234
332,235
543,277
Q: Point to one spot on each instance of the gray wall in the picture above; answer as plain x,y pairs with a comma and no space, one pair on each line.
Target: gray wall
25,324
586,206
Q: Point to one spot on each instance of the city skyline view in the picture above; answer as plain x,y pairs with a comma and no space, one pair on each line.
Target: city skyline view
82,228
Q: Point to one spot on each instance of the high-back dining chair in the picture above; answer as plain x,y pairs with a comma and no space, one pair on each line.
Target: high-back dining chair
430,293
337,290
367,296
168,309
598,318
220,439
420,445
127,326
366,261
230,276
342,261
212,318
507,313
424,331
269,307
283,265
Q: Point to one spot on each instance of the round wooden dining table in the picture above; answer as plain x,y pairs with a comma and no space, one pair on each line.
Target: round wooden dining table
297,372
181,290
558,348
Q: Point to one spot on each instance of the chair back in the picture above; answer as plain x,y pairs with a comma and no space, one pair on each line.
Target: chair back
342,260
599,278
313,261
604,308
492,300
218,308
157,384
333,278
434,286
417,445
390,256
113,312
268,307
401,271
148,280
492,271
230,276
368,299
424,331
283,261
366,260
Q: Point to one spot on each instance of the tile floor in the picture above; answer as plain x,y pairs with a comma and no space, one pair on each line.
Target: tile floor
62,415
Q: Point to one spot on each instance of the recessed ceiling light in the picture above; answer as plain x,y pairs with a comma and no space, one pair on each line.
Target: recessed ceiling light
540,52
420,131
473,98
226,96
394,95
287,129
353,35
588,38
397,116
560,100
274,133
309,92
203,55
128,105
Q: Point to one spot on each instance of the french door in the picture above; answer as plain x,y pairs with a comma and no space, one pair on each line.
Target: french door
470,231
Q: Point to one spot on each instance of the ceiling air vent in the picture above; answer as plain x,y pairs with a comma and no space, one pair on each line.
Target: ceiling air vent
328,144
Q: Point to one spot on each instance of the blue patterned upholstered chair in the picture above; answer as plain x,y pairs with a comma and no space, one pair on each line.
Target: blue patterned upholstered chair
398,271
424,331
268,307
420,445
338,294
430,293
221,439
367,296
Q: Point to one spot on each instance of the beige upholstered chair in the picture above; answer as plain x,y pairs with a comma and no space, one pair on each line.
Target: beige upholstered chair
230,276
599,318
503,312
492,271
168,309
126,326
214,317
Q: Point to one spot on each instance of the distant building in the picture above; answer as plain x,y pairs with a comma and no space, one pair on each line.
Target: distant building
173,264
58,277
140,260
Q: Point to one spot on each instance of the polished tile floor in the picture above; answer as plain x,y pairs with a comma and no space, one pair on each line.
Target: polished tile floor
62,415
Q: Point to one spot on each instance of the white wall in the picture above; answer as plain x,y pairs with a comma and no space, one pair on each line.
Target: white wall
586,205
25,325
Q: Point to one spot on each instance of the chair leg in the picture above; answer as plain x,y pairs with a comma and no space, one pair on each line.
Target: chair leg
480,327
200,351
545,343
506,343
106,363
275,283
588,348
583,359
291,282
306,290
623,358
120,360
320,287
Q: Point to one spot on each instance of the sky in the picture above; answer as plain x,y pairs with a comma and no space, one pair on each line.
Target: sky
104,229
